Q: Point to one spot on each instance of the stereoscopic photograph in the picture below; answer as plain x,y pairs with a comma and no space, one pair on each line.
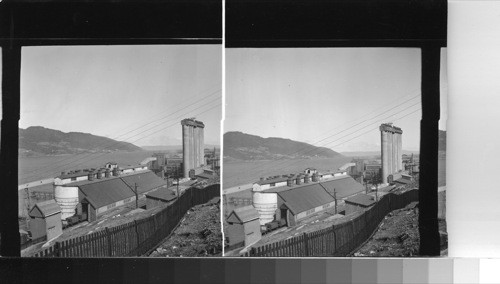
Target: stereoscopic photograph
321,152
119,151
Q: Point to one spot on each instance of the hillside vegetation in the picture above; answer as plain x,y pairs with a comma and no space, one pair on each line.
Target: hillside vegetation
37,140
242,146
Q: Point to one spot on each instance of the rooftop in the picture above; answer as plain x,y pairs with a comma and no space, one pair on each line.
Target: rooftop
361,199
344,186
46,208
165,195
305,198
243,214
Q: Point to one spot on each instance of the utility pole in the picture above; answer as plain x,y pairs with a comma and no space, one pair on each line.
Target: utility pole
136,197
335,197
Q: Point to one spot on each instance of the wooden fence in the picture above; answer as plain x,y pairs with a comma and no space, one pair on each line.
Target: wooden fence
134,238
337,240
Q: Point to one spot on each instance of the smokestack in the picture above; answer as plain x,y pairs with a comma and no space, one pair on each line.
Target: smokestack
289,182
91,176
106,173
99,174
306,178
115,172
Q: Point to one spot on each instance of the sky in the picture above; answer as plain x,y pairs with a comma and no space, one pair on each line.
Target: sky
329,97
137,93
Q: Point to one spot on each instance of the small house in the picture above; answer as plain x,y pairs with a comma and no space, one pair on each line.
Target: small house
359,202
45,220
244,226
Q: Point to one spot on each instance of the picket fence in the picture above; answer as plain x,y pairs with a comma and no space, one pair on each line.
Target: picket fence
134,238
337,240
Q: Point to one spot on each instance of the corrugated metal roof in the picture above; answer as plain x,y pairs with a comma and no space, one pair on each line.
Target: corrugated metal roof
361,199
106,191
146,181
344,186
47,208
162,194
245,214
304,198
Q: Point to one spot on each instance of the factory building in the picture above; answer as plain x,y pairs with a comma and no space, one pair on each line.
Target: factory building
93,197
267,196
299,202
391,148
193,145
66,196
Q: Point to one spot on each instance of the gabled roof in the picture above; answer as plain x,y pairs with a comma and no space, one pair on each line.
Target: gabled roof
361,199
243,215
106,191
146,181
344,186
304,198
403,181
45,209
205,176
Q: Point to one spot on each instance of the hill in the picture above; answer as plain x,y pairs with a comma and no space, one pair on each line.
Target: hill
37,140
242,146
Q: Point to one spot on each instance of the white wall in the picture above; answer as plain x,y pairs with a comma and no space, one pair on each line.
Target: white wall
473,193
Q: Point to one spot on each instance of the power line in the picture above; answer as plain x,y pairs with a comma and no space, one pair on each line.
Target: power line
312,147
53,168
110,144
281,162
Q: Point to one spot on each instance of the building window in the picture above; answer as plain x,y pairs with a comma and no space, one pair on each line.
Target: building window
273,184
111,206
73,178
310,211
326,205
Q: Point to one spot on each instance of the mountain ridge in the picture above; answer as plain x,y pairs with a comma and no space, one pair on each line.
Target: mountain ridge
38,140
243,146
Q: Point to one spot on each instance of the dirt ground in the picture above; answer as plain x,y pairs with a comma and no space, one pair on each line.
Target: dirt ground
199,234
398,235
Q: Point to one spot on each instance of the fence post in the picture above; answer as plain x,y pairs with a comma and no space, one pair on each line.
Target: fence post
57,249
306,244
108,238
137,236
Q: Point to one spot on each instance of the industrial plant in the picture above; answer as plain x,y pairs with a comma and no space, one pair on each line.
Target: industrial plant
84,196
282,204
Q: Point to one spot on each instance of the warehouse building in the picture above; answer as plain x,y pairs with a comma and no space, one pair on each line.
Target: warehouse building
244,227
45,220
268,195
297,203
97,196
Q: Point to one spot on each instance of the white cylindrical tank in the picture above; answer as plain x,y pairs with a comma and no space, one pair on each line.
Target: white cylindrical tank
67,198
265,203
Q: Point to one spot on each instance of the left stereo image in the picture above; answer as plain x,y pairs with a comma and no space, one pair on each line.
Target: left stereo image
119,150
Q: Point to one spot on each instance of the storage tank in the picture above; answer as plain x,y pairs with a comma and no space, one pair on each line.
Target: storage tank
265,203
67,198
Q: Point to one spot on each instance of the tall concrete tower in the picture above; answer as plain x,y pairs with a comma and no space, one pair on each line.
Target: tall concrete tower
193,144
391,148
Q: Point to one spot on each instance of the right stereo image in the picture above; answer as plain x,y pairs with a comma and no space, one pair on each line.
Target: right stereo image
322,152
